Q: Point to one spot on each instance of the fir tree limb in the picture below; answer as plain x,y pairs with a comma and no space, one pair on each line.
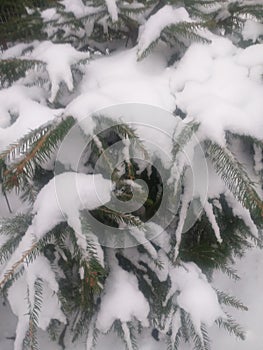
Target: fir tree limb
235,177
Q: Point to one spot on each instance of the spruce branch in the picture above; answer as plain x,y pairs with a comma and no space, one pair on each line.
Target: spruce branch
9,274
57,235
230,300
200,340
31,340
8,248
119,217
184,136
34,149
234,176
14,69
174,33
231,326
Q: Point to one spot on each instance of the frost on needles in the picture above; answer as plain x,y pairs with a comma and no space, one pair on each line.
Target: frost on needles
109,102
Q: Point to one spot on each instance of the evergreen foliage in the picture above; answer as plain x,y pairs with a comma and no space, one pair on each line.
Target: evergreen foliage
82,277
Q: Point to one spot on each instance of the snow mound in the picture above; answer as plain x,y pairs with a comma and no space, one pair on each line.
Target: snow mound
252,30
113,10
122,301
54,202
59,58
196,297
218,89
21,110
251,56
152,29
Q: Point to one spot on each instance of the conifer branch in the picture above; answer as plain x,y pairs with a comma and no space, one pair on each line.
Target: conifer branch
9,274
34,149
234,176
16,68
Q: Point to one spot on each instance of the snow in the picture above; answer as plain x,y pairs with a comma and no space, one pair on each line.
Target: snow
212,219
251,56
140,237
159,236
54,203
25,102
152,29
49,14
196,297
258,157
145,342
85,191
78,8
144,82
217,85
59,58
223,13
185,201
242,213
40,268
217,90
248,290
196,65
16,50
113,10
252,30
194,294
122,300
215,183
138,94
126,150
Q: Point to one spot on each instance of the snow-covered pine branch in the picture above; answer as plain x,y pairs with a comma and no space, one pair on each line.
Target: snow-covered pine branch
87,129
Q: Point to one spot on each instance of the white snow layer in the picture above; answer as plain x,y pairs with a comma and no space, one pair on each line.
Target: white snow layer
152,29
77,8
113,10
21,110
122,300
213,85
252,30
212,219
196,297
105,84
16,50
59,58
137,94
55,202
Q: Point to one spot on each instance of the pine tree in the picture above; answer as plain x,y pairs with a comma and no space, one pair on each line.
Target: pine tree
73,154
